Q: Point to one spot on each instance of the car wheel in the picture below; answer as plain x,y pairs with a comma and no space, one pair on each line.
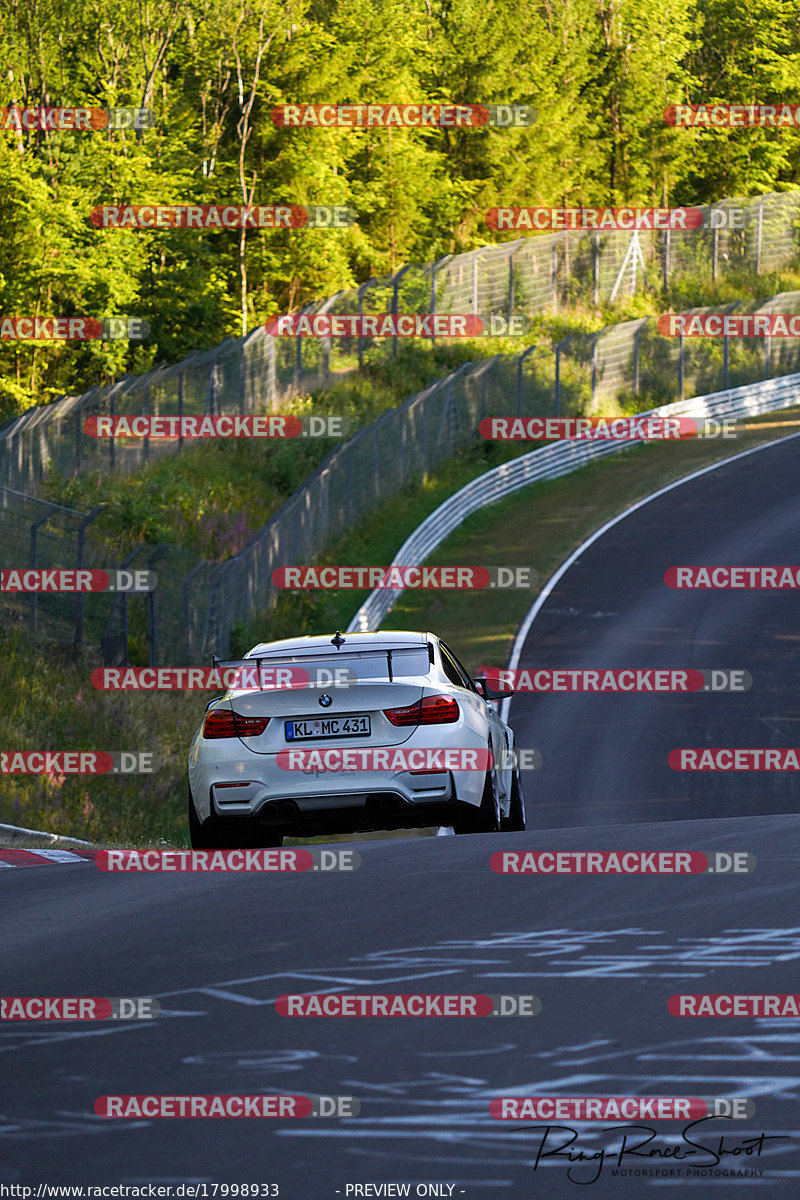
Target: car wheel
485,819
203,835
515,821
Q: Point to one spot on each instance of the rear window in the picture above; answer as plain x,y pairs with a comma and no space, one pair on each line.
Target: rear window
382,665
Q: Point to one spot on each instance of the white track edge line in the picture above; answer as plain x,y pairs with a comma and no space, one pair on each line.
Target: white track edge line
533,612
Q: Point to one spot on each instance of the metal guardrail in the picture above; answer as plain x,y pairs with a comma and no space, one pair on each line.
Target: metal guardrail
550,462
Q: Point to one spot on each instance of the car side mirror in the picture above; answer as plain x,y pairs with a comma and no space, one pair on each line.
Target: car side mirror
490,693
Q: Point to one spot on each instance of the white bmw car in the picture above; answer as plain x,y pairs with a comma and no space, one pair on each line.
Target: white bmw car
373,731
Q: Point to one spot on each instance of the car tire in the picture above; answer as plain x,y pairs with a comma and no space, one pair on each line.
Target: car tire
203,835
515,821
486,818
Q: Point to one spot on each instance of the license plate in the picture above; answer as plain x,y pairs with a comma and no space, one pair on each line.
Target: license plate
328,727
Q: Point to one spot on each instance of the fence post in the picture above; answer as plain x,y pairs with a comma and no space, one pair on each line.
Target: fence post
180,412
434,272
80,596
681,365
636,360
112,457
594,368
396,300
596,270
667,246
146,411
520,360
272,373
726,351
187,625
361,292
554,272
298,356
152,613
78,436
34,547
715,245
759,232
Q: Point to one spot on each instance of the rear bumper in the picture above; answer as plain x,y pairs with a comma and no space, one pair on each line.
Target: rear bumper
374,802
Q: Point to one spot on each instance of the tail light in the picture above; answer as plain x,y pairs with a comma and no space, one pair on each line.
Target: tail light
225,723
430,710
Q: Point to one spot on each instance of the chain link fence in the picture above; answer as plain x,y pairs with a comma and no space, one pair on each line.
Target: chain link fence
191,613
197,602
530,275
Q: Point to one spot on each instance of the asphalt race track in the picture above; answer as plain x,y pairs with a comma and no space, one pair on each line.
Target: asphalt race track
603,954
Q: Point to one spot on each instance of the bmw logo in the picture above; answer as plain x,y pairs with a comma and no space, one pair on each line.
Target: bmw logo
326,701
